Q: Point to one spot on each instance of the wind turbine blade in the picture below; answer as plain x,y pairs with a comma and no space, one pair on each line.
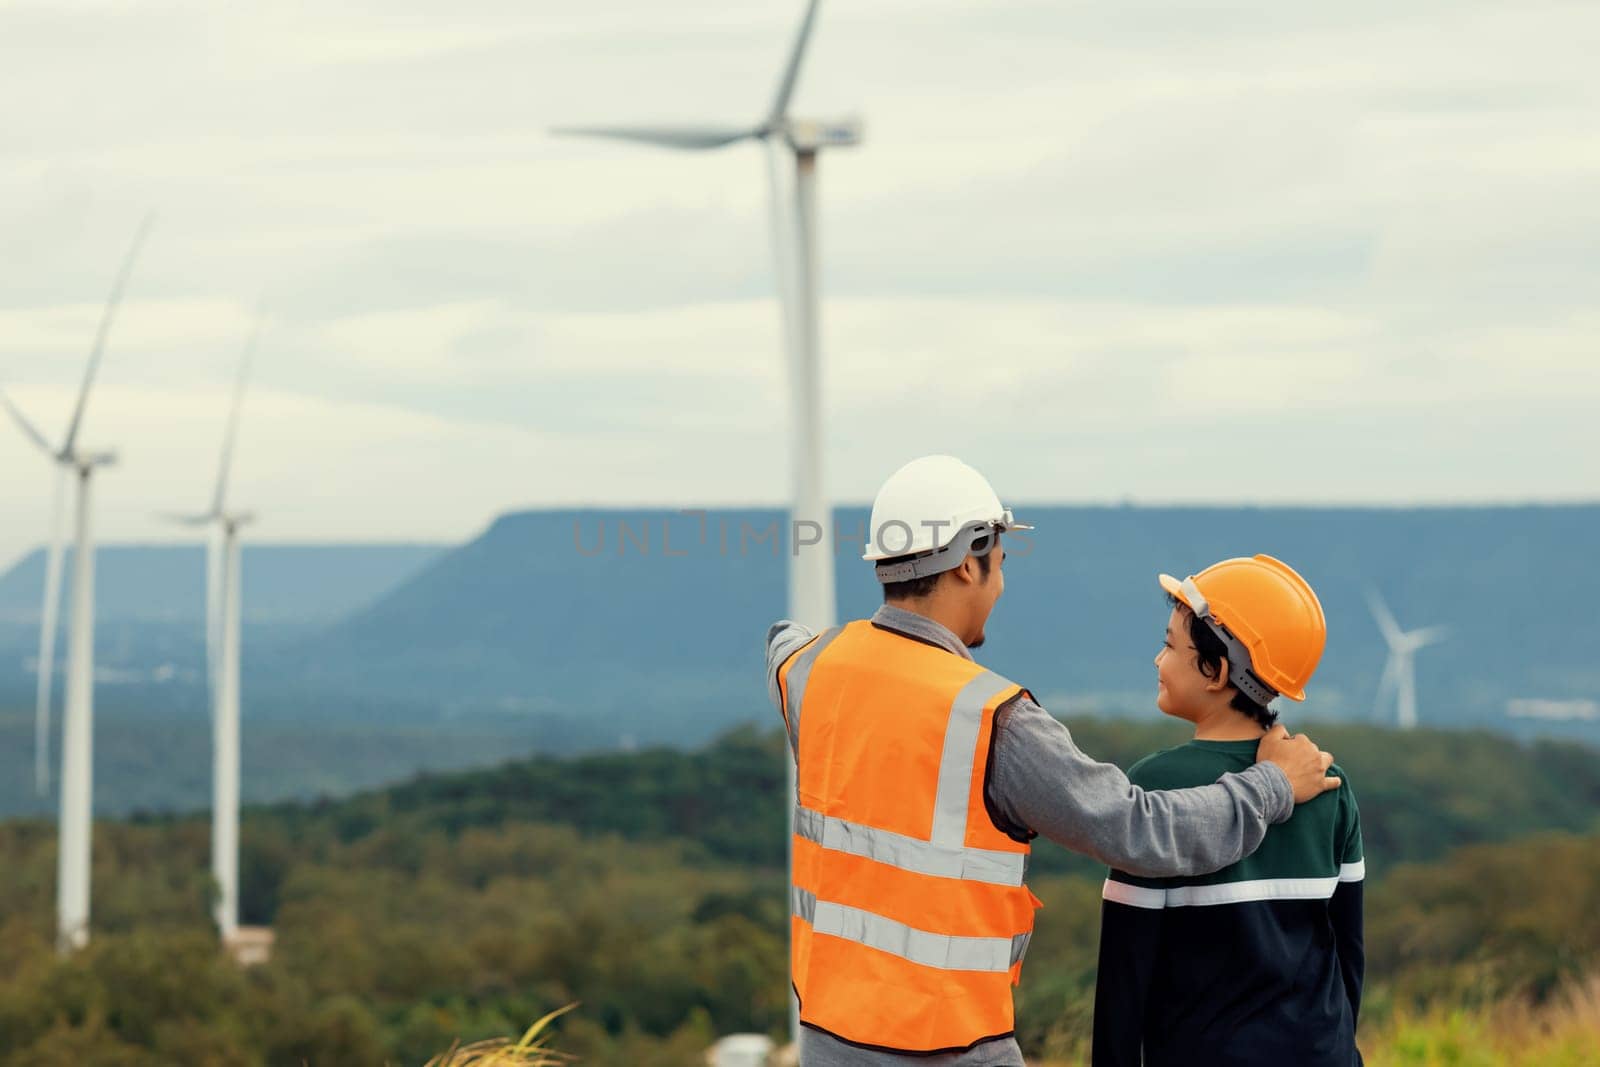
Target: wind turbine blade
689,137
27,427
791,73
1384,618
233,417
1430,635
49,615
106,317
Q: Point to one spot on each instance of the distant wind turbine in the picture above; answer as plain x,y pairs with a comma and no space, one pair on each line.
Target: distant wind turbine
77,734
1399,681
811,584
222,662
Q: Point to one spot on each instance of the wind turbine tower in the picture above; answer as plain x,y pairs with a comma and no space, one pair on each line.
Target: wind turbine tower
222,664
1399,673
794,246
77,734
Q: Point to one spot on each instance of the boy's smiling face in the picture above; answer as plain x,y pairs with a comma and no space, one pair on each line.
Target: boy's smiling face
1181,690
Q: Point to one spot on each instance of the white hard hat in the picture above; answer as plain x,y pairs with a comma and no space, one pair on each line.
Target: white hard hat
934,509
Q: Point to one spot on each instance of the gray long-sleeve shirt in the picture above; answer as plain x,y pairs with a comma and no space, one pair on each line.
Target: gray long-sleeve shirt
1040,782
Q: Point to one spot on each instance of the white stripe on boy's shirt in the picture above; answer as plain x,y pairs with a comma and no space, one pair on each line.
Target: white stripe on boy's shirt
1136,896
1231,892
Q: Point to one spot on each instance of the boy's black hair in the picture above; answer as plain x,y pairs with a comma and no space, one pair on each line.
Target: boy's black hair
914,588
1210,652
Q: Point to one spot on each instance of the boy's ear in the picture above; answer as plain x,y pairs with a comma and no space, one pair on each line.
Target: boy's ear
1220,682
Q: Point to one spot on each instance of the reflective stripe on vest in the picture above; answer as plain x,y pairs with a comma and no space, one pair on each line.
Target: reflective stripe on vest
960,750
795,686
943,951
908,853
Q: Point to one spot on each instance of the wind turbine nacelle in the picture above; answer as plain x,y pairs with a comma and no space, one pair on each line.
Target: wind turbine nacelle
809,136
85,460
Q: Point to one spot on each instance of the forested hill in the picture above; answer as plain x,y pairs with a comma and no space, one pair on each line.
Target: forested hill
1421,793
649,889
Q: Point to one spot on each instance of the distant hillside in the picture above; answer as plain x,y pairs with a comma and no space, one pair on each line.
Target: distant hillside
580,630
150,600
632,619
300,584
1421,794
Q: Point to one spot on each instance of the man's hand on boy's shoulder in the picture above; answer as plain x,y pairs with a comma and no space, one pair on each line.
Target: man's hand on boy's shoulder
1301,760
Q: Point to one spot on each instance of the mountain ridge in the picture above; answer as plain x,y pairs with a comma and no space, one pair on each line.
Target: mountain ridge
613,607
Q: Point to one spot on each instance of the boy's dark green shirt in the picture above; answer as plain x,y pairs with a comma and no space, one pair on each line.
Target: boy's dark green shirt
1258,963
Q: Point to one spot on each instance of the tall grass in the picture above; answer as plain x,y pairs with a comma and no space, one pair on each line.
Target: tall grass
532,1050
1564,1031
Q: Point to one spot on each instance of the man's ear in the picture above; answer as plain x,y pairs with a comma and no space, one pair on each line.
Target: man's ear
967,570
1220,682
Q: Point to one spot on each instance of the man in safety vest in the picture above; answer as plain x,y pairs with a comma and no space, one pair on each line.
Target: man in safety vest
922,777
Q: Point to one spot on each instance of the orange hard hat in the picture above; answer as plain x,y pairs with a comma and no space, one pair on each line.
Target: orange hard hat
1261,607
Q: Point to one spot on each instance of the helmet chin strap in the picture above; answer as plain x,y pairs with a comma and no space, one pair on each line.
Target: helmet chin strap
1241,671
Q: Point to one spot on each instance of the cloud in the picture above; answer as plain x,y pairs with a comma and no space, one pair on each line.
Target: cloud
1100,248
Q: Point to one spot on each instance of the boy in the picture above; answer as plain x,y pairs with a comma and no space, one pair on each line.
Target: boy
1261,962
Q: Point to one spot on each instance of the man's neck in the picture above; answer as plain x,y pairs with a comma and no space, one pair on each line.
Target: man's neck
930,608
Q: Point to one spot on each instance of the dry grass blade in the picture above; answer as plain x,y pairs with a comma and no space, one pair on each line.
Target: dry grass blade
529,1051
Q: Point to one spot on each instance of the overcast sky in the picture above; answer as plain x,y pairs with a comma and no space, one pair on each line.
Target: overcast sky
1225,252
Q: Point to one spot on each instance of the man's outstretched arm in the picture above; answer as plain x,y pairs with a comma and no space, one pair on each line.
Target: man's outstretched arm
1040,781
784,639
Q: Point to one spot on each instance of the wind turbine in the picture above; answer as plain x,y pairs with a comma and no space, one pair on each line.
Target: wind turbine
222,663
77,734
811,583
1399,673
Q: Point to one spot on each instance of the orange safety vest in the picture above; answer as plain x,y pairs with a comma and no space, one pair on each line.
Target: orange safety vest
909,915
